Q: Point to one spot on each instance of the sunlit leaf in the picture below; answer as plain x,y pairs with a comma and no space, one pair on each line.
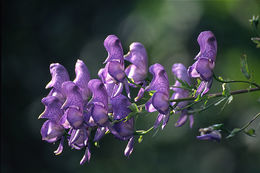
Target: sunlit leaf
250,132
234,132
244,66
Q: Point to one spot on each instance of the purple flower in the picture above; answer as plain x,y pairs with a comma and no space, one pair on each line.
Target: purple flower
51,131
97,108
59,75
113,75
82,79
180,71
138,57
209,134
160,99
203,67
123,130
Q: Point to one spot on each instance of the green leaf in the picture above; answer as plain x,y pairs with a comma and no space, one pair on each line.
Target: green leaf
244,66
220,101
256,40
250,132
129,116
140,139
184,84
217,126
234,132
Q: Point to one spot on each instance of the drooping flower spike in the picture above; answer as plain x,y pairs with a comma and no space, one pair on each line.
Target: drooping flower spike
160,99
205,61
180,72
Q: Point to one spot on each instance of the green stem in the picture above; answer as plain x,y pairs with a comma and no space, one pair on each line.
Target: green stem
217,94
132,82
235,81
143,132
250,122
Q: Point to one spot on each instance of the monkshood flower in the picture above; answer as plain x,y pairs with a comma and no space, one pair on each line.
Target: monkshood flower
59,75
209,133
205,61
113,75
137,71
79,140
123,130
180,71
97,108
160,99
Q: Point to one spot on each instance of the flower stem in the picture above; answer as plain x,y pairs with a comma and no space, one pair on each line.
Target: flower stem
235,81
218,94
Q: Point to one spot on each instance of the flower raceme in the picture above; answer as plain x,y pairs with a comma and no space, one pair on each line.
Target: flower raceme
75,109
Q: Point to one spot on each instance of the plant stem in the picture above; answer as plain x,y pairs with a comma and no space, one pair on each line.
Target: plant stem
235,81
250,122
218,94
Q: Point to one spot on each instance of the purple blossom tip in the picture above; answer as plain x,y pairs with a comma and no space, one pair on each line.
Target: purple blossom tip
114,49
82,78
138,57
59,75
130,147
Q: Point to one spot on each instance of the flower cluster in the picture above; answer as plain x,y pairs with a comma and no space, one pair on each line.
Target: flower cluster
75,109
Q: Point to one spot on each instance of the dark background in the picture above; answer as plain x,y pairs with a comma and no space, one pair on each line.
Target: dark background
36,33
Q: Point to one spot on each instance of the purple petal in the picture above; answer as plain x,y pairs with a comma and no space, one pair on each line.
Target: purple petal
182,120
52,108
117,90
100,133
139,67
129,148
158,120
60,148
160,102
114,49
123,130
99,114
86,157
160,79
99,93
149,106
59,75
82,78
191,118
120,106
165,120
208,45
74,117
79,138
116,70
73,96
180,71
51,131
213,136
140,92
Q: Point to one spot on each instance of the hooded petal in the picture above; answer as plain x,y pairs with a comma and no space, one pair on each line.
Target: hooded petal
59,75
208,46
114,48
79,138
160,102
82,78
73,96
99,93
120,107
100,133
116,70
123,130
100,115
52,108
139,67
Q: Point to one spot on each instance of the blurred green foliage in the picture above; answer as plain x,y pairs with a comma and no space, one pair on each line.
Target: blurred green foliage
37,33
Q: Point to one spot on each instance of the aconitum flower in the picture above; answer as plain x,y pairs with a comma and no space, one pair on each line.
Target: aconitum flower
203,67
137,71
180,71
160,99
123,130
97,108
209,133
113,75
138,57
